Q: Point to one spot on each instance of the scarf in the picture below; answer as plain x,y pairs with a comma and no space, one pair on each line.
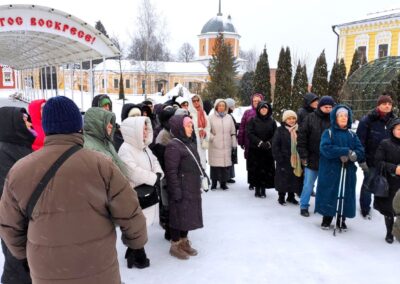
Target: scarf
294,157
201,122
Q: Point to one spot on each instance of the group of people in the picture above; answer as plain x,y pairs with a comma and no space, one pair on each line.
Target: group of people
67,179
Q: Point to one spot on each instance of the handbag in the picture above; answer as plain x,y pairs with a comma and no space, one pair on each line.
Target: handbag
147,195
378,184
205,182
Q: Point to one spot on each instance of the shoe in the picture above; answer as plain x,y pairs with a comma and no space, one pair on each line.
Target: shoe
366,215
231,180
341,225
326,222
186,246
137,257
262,193
224,186
257,192
281,200
251,187
292,199
167,235
389,221
389,238
177,251
214,185
304,213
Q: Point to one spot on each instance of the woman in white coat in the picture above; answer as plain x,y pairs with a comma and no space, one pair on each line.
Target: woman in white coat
201,126
222,142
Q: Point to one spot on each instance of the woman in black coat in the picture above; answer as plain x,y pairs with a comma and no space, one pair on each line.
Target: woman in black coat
182,170
260,163
387,157
289,174
15,143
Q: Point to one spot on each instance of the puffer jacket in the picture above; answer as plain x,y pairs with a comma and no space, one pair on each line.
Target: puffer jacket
222,138
306,109
71,237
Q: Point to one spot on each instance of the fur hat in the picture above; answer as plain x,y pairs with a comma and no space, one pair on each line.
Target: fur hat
135,111
287,114
230,103
61,116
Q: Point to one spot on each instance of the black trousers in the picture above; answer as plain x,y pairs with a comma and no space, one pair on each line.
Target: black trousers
176,235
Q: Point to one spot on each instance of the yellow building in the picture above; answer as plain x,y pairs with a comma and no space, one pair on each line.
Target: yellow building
373,37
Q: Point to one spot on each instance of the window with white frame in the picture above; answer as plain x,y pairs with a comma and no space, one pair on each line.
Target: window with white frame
7,76
116,83
383,50
383,44
361,44
127,83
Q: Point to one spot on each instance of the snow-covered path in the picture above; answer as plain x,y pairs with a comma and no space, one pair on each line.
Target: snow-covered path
249,240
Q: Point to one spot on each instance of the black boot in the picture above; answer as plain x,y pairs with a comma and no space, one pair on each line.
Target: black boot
257,192
137,257
281,199
251,187
224,186
326,222
389,220
292,199
214,184
262,192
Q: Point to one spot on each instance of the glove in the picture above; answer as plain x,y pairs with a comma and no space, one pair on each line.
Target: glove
364,167
344,159
157,183
353,156
304,162
242,146
265,145
137,257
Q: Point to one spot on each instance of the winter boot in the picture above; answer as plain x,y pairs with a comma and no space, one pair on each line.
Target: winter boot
177,251
326,222
167,234
214,184
224,186
137,257
304,213
257,192
389,220
251,187
292,199
281,199
341,223
186,246
262,193
231,180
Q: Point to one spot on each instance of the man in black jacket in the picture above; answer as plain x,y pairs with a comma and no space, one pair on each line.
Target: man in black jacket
372,129
310,104
308,141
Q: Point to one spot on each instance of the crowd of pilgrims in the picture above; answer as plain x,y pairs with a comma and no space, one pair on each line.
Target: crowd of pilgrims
169,147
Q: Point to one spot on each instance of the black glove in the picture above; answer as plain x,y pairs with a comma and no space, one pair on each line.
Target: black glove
157,183
137,257
344,159
304,162
364,167
352,156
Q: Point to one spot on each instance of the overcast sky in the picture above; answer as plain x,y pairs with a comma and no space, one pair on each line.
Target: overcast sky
303,25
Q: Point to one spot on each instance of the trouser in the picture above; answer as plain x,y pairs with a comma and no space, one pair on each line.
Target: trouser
15,271
176,235
310,176
366,197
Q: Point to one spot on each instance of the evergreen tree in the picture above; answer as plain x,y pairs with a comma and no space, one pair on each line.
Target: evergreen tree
336,80
282,93
99,26
320,77
222,71
262,77
355,63
300,87
246,88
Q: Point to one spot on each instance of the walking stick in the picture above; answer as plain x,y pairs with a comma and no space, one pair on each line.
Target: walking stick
342,186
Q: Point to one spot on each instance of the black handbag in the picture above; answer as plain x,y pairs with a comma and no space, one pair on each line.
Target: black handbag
147,195
378,184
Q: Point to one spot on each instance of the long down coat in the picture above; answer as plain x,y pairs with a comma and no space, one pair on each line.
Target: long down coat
260,162
183,179
285,180
337,142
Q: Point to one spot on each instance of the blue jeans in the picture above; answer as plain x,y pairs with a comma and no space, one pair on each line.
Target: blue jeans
309,180
366,197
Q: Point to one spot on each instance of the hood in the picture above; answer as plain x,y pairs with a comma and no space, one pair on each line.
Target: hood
263,104
191,107
217,101
177,129
333,116
13,128
255,95
95,122
145,108
392,124
35,108
126,109
96,100
308,99
132,131
164,117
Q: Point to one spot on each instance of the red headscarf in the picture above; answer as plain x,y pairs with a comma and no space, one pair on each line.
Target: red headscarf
35,108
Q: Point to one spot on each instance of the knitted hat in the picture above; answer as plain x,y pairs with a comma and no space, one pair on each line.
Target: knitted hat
61,116
230,103
342,110
326,101
135,111
186,121
384,99
287,114
104,101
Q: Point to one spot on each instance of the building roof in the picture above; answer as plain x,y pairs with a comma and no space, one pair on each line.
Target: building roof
219,24
373,19
36,36
190,68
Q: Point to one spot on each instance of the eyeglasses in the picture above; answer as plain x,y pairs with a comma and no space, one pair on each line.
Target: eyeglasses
195,101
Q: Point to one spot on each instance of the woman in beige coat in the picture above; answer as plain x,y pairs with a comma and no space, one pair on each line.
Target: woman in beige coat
222,141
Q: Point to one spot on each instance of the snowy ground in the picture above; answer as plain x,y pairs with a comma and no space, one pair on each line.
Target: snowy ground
249,240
